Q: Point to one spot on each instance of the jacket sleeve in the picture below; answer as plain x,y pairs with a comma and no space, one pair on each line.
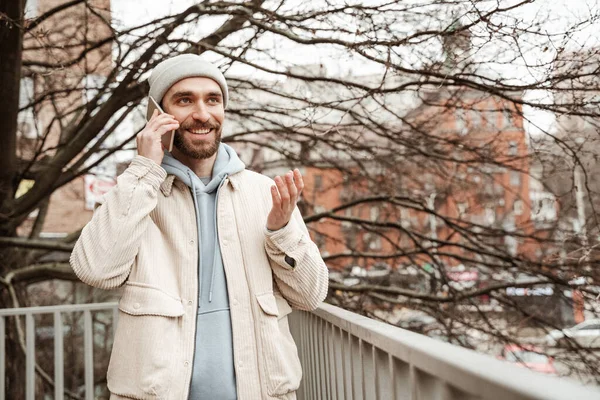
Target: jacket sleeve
105,251
298,268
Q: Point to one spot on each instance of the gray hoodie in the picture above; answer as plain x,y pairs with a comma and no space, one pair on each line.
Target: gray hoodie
213,375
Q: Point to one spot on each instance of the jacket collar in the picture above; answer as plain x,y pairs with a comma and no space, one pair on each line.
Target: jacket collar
167,186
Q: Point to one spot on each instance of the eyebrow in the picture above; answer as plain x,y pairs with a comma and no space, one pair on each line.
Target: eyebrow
188,93
182,94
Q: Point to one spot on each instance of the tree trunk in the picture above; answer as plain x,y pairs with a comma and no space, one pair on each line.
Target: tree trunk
11,44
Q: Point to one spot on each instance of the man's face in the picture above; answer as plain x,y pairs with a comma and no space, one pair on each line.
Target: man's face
197,103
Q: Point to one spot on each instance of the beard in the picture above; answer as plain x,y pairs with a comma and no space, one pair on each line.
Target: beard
200,151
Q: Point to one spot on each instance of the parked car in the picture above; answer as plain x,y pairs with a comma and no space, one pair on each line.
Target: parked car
528,357
586,334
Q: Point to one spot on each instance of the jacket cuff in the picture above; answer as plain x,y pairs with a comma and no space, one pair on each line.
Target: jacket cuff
286,239
147,170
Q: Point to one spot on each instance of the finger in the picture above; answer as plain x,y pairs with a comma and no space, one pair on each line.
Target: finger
165,115
160,131
167,128
298,181
156,120
289,179
275,196
159,124
160,121
283,192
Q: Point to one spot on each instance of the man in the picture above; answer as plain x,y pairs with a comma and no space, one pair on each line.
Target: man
211,256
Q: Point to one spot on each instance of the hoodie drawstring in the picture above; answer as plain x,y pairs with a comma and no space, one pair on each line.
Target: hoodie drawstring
197,205
217,249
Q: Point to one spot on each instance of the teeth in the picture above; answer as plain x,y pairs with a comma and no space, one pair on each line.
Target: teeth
200,131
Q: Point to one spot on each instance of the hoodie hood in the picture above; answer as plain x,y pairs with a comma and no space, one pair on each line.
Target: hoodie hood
227,163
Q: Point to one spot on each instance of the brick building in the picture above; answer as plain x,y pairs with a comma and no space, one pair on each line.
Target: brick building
484,180
57,44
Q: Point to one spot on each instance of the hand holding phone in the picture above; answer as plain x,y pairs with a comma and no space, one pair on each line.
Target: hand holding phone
158,133
167,138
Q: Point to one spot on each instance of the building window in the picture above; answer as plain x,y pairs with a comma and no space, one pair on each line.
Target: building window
375,243
347,214
515,178
26,119
372,241
507,119
350,239
518,207
511,244
461,122
404,217
490,216
318,182
477,119
374,213
543,207
513,148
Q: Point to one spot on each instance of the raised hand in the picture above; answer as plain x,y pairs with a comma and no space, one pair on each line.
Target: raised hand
148,140
285,194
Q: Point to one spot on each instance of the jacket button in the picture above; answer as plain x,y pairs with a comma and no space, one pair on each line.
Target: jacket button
191,241
235,302
136,305
190,303
187,363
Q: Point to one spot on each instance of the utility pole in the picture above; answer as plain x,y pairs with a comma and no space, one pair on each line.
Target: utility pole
580,204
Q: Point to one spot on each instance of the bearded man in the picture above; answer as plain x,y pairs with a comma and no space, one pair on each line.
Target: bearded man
211,256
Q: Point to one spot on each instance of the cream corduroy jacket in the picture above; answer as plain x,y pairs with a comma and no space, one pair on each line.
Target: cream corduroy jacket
144,237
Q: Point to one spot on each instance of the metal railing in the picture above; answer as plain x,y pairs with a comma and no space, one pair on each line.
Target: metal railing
344,356
350,357
58,332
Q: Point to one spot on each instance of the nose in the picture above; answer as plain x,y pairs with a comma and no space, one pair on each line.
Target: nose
200,113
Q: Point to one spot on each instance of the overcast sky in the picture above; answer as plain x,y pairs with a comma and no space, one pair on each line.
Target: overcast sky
558,13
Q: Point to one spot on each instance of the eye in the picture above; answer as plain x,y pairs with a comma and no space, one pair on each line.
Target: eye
213,100
184,100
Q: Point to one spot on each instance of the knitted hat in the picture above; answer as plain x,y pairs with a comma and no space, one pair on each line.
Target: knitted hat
174,69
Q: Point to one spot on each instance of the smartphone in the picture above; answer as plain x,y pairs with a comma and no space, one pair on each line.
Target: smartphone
167,138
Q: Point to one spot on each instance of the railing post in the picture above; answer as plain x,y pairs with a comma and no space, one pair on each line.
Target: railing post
2,358
88,343
315,359
59,362
30,357
382,374
342,339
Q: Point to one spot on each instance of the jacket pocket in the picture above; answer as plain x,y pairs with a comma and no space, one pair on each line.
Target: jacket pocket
147,343
279,356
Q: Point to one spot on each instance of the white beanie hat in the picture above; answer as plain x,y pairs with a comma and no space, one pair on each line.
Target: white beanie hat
174,69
